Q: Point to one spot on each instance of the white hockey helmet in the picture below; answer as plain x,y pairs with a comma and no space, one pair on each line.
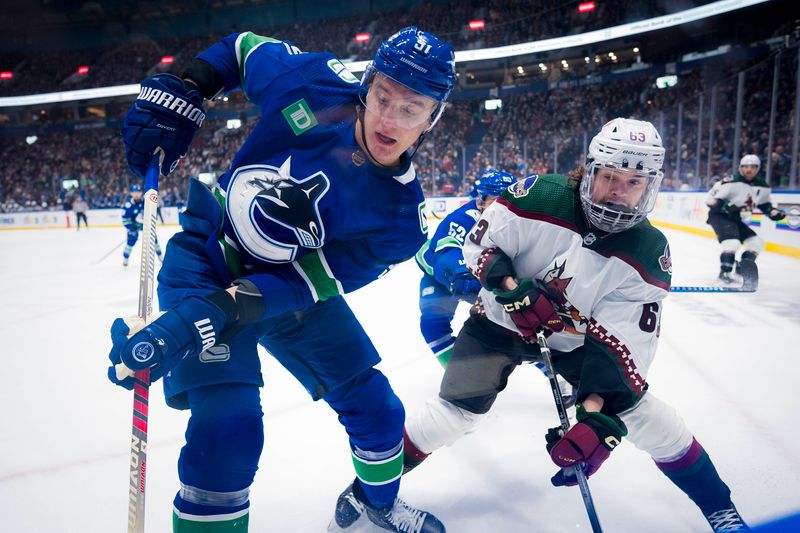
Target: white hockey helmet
751,159
632,149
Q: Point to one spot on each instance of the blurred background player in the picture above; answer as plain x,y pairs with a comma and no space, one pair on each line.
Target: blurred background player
132,220
730,203
80,206
446,279
320,200
581,260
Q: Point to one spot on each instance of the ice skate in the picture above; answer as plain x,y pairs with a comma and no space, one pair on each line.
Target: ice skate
400,517
726,520
348,510
727,279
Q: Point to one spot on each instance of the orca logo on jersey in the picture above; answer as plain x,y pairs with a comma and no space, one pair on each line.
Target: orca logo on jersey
263,199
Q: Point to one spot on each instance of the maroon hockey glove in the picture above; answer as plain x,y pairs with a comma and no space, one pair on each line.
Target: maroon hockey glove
529,309
590,441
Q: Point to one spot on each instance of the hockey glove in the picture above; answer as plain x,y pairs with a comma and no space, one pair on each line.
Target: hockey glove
465,284
733,211
190,328
166,115
590,441
529,309
776,214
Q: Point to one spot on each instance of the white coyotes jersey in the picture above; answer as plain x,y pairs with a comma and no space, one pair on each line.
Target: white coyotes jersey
739,192
609,294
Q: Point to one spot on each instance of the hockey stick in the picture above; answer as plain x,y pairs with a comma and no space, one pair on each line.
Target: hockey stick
141,387
709,288
111,251
580,475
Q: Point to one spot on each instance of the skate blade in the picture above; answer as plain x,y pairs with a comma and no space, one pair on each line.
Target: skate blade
362,525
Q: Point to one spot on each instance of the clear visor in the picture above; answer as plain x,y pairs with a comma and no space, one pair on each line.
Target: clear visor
622,188
394,101
616,199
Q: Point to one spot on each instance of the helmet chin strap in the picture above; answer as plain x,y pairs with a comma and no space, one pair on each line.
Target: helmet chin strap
360,113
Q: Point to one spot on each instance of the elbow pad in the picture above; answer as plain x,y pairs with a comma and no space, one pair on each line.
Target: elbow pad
208,80
249,301
493,267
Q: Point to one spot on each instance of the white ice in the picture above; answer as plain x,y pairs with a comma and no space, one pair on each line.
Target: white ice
727,362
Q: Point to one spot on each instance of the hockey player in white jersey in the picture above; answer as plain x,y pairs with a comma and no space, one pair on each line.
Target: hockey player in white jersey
731,201
577,257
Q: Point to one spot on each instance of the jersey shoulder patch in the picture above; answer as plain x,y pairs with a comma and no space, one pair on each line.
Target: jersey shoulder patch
550,195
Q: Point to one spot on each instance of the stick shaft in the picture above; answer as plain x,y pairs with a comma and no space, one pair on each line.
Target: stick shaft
580,475
141,390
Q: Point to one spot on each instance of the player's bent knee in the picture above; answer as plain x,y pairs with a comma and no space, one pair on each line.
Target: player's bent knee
730,245
656,428
440,423
225,437
754,244
370,410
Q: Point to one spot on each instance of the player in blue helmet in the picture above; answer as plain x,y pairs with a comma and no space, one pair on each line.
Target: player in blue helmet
132,220
446,280
320,200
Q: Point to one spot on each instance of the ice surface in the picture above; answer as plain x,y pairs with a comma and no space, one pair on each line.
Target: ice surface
727,362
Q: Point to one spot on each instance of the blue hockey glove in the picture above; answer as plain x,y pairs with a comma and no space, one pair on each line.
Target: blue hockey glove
190,328
465,284
121,330
165,115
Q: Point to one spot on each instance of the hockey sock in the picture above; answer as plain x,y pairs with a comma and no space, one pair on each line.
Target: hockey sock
726,261
379,474
412,456
126,252
184,524
695,475
193,518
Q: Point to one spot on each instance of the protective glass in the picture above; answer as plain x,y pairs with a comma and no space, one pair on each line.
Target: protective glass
394,101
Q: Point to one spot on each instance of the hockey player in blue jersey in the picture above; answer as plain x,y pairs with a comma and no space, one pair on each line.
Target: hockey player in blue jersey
132,220
446,279
320,200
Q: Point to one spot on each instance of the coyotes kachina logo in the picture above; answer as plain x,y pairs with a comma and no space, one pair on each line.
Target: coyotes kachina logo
555,285
523,187
665,261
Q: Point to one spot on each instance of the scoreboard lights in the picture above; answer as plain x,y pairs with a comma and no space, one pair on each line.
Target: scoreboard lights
362,37
167,60
476,24
83,70
585,7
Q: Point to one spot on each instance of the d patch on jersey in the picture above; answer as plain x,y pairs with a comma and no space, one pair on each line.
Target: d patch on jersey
299,117
521,188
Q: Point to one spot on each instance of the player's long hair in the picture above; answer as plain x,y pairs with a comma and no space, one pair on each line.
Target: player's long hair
576,174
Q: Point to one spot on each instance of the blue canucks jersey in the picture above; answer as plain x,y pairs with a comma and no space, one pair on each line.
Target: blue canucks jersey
441,255
132,214
306,215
